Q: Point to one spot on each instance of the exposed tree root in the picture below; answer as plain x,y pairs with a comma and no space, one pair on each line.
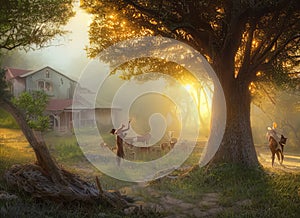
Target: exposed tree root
46,180
34,180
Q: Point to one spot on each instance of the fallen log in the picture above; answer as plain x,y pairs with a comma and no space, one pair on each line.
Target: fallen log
32,179
46,179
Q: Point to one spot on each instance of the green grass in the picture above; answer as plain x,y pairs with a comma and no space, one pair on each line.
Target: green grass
10,155
68,153
28,208
14,149
272,193
7,121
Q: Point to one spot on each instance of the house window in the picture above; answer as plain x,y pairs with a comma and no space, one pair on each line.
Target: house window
41,85
47,74
48,86
44,86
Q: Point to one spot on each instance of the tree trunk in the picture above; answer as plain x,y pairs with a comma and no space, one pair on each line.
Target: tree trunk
237,143
44,159
47,180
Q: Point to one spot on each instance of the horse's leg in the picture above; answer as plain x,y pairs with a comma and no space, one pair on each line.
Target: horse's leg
278,156
282,156
273,157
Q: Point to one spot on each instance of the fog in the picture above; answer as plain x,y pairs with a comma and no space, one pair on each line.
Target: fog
68,56
285,113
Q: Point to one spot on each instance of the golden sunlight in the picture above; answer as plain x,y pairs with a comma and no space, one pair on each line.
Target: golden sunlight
111,16
188,87
252,87
202,99
255,43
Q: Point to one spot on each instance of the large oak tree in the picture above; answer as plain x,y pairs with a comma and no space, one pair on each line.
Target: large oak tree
244,41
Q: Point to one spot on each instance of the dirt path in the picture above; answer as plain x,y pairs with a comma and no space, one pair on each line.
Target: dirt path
149,198
208,204
204,205
291,161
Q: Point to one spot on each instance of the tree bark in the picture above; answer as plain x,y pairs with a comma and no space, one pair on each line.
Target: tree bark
44,159
237,144
47,180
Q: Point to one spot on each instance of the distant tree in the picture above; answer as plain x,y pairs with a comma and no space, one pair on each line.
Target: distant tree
244,41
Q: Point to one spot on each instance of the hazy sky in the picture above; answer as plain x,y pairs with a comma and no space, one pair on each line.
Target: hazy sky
68,56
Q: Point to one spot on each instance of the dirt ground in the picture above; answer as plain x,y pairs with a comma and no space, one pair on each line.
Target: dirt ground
207,206
291,162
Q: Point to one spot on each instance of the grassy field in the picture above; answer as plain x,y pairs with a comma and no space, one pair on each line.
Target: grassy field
13,149
267,192
6,120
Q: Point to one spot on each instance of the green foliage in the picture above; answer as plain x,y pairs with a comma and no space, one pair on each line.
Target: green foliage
33,106
237,37
240,39
27,23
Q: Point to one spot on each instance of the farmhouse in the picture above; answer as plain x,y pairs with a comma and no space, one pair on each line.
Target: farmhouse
60,89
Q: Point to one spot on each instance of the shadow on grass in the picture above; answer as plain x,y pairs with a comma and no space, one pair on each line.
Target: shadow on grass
267,193
243,192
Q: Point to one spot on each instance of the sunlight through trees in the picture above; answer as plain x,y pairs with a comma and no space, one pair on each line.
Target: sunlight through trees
238,38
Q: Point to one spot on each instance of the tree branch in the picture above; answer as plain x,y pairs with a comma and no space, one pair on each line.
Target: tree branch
174,25
247,53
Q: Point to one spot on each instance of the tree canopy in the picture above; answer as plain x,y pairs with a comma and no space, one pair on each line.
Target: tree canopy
244,41
257,35
28,23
